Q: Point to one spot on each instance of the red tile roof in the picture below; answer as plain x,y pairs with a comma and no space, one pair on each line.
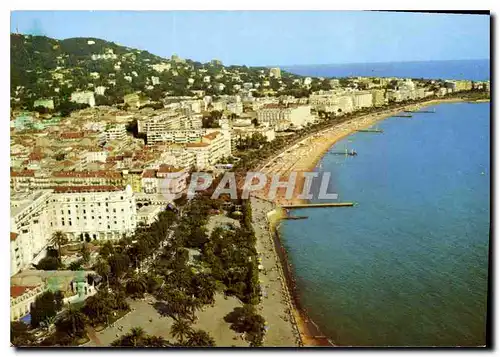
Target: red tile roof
16,291
78,189
168,168
13,236
23,173
149,173
211,136
72,135
197,145
87,174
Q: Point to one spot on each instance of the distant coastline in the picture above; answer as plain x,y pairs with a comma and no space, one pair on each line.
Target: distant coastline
476,70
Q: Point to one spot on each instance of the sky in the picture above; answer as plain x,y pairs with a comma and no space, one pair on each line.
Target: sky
274,37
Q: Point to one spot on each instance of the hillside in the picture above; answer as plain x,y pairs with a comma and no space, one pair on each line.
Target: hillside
43,67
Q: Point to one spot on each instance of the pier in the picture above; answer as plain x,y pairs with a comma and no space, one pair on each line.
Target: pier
319,205
347,153
295,217
420,111
403,116
370,131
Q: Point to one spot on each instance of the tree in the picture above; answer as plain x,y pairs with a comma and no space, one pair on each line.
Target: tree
102,268
76,265
72,323
85,252
106,250
119,264
20,336
156,341
138,338
45,306
200,338
49,263
246,320
180,329
135,338
97,308
137,286
59,239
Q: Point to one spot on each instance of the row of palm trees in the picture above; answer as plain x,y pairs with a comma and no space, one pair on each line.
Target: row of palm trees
181,330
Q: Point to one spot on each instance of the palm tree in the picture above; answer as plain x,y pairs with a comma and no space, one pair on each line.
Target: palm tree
156,341
134,338
77,319
200,338
180,329
59,239
103,269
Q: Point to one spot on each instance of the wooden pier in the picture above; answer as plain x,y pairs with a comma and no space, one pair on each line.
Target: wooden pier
370,131
319,205
420,111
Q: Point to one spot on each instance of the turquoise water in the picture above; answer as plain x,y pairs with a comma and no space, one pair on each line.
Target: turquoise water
407,266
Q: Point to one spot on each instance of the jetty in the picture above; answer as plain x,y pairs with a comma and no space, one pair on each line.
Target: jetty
347,153
420,111
403,116
319,205
295,217
370,131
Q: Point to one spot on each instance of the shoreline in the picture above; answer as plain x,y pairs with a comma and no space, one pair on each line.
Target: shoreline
309,332
307,153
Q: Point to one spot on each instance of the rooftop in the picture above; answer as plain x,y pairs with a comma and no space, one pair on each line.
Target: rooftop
79,189
16,291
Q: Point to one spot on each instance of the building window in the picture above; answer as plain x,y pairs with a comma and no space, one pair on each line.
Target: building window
84,211
62,223
69,211
92,217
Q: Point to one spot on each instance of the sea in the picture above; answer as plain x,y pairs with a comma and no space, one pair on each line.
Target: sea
408,264
477,70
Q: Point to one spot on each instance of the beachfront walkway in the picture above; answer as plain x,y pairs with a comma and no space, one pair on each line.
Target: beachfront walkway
275,306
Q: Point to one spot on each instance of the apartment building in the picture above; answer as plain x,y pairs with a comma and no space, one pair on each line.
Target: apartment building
115,132
166,179
378,97
81,212
210,150
274,115
362,99
83,98
29,226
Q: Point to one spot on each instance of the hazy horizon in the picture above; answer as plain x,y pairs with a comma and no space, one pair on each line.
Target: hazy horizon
305,38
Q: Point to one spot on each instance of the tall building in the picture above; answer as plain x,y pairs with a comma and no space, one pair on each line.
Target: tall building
275,72
81,212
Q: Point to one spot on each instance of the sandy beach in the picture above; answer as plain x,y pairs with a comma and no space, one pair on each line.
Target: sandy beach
305,155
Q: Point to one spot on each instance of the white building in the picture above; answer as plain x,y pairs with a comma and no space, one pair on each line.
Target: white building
293,115
211,149
93,212
166,179
83,98
99,90
81,212
115,132
21,298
